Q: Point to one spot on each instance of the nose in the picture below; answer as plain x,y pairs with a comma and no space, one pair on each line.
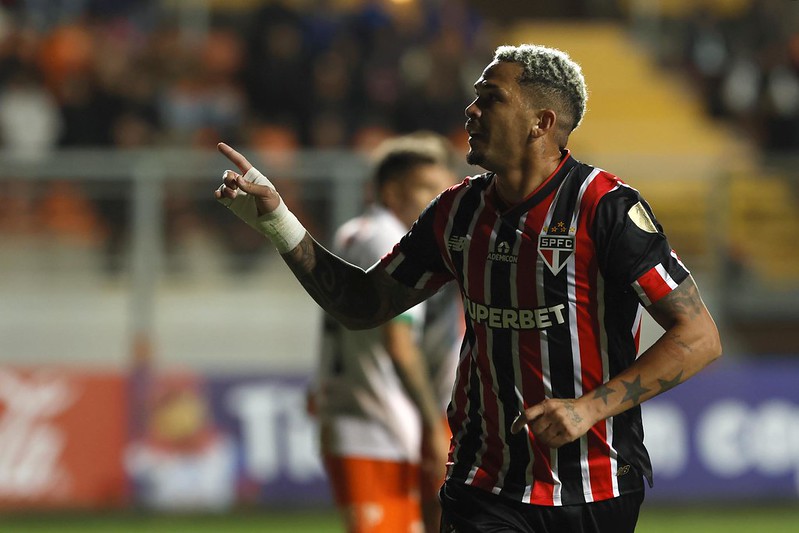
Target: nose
472,110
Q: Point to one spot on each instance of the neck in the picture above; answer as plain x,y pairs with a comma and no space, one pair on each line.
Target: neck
516,184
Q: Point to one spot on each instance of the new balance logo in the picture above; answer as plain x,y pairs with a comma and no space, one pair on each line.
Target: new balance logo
457,244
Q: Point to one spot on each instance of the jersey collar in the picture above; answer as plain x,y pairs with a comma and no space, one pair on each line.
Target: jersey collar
567,163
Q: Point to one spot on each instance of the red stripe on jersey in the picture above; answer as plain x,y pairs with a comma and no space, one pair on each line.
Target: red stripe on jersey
586,272
532,381
592,363
492,451
457,414
654,284
492,456
474,281
544,486
443,215
599,462
483,480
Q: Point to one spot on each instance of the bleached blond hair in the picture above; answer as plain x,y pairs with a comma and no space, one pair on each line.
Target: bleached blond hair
557,81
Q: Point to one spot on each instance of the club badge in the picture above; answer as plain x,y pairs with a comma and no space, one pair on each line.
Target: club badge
555,250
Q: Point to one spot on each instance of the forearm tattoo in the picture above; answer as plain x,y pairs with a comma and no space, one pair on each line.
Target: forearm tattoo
634,390
676,339
666,384
602,392
345,291
684,300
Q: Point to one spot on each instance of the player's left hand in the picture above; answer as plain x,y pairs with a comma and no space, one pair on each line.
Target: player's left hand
555,421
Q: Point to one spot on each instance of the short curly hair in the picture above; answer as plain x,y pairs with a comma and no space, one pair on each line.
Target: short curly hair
396,156
554,76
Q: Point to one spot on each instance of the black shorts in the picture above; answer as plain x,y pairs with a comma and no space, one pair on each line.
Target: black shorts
468,509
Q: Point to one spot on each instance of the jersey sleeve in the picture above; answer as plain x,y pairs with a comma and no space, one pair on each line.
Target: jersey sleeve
632,249
416,260
363,241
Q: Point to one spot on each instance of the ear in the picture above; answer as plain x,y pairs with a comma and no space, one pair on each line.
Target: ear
389,194
545,120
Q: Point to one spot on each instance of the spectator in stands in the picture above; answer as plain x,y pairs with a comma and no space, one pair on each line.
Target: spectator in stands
743,64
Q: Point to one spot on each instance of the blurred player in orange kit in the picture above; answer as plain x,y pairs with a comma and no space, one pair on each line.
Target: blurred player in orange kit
380,394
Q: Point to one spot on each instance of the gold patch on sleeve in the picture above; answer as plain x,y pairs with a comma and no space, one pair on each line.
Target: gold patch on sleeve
641,218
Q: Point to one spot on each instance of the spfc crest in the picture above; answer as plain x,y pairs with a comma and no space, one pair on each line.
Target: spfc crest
555,250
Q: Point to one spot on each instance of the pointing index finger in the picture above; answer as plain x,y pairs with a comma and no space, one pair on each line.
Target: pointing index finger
235,157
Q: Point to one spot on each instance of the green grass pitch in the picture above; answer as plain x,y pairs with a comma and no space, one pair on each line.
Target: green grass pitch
654,519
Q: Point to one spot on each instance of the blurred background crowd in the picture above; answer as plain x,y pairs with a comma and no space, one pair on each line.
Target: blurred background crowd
289,75
334,73
744,62
279,76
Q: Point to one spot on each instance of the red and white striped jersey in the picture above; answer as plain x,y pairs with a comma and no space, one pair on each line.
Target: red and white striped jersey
553,290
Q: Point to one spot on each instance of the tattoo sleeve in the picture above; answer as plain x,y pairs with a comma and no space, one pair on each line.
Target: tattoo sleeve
684,300
689,343
357,298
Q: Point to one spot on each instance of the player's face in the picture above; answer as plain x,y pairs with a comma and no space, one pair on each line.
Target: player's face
417,189
499,119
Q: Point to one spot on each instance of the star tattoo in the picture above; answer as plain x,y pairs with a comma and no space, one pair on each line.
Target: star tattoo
634,390
602,392
670,384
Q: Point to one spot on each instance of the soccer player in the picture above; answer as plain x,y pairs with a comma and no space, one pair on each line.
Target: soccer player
555,260
374,395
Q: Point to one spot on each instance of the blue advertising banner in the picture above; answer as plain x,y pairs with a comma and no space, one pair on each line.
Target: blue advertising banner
279,461
729,433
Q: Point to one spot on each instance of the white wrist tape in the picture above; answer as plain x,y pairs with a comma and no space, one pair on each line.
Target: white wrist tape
280,225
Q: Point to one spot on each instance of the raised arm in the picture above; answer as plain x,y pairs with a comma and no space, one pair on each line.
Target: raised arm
358,299
690,342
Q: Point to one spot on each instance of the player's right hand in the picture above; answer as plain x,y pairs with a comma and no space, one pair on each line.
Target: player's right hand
236,186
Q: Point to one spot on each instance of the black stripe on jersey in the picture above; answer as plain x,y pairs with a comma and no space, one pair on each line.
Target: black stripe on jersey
628,431
461,221
628,434
559,338
466,450
467,209
502,284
